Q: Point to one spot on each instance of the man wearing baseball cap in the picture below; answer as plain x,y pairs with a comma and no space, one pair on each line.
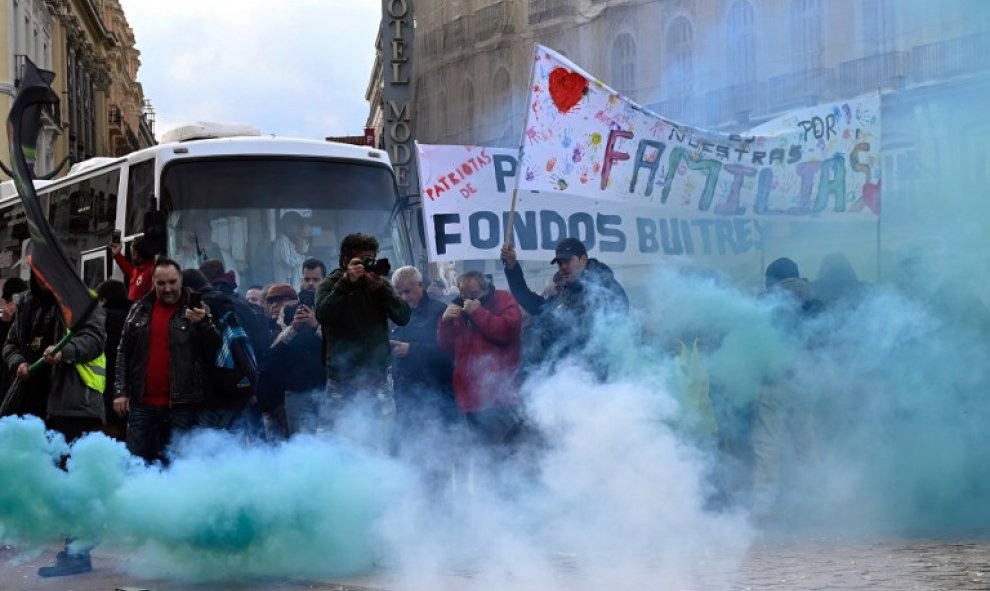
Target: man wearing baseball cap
563,321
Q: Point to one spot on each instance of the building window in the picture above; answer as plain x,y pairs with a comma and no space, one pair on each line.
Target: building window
624,64
879,27
679,56
501,111
82,109
806,33
742,43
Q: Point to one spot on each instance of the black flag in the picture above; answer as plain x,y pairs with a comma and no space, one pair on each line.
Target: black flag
46,256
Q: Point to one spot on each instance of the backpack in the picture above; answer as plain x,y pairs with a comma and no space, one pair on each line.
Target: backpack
236,368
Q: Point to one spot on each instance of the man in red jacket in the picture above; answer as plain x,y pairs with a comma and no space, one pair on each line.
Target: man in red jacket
137,271
481,329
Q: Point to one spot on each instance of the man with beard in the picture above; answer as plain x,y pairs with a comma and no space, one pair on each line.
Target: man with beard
167,346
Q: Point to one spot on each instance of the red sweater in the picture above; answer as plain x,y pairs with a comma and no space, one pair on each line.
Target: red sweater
157,379
486,352
138,277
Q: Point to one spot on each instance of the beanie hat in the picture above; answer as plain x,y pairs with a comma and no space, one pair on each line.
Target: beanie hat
281,291
781,269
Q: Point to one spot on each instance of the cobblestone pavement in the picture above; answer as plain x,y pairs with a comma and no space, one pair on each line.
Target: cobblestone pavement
834,564
810,564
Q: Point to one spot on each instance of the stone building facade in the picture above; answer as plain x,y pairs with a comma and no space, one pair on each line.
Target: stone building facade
90,48
729,65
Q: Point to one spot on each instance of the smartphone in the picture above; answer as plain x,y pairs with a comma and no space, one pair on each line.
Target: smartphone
307,298
116,237
195,300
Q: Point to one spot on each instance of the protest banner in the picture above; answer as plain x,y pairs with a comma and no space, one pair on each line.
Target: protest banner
582,138
466,197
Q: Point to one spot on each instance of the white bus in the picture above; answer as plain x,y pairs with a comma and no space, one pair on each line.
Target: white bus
223,197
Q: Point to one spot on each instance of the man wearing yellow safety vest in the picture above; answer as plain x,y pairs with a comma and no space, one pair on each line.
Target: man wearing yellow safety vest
67,391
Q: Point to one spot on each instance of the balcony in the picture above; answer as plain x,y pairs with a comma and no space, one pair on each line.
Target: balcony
491,21
735,103
432,44
884,70
545,10
949,58
798,89
455,35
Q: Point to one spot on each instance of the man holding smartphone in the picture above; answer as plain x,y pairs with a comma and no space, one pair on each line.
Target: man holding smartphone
137,271
297,355
167,345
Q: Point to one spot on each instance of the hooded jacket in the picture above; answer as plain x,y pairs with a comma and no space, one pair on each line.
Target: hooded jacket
485,347
68,395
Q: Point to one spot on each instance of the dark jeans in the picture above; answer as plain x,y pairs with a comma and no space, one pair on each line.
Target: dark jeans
73,428
229,418
150,428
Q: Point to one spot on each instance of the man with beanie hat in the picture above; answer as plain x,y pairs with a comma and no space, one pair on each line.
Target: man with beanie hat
563,322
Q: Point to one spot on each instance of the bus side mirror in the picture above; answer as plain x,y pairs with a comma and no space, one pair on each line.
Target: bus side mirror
155,232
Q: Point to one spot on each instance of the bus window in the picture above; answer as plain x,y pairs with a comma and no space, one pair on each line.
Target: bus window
140,196
263,215
81,214
94,267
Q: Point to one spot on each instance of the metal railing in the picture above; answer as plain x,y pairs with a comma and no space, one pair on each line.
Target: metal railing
735,103
871,72
804,87
950,58
544,10
493,20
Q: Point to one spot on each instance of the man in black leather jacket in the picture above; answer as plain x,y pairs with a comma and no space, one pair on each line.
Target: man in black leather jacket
166,350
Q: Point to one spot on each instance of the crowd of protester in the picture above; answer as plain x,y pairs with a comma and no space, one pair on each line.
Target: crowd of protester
176,349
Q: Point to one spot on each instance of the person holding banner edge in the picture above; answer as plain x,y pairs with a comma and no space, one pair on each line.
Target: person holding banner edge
562,322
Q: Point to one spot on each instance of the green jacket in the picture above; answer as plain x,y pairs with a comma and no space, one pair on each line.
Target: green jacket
355,319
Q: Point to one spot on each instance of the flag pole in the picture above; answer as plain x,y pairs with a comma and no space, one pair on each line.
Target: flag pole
75,301
510,221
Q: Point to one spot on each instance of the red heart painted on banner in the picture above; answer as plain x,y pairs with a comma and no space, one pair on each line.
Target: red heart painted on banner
567,88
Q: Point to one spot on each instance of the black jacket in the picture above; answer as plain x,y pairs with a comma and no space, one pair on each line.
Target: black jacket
67,395
255,325
354,319
297,359
116,312
425,366
562,323
192,350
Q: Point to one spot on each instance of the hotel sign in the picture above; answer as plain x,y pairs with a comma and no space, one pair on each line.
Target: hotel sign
397,50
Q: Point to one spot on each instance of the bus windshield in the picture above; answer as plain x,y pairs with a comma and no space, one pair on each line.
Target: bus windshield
262,216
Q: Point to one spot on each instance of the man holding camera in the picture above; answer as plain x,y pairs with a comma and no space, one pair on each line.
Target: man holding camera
481,331
353,307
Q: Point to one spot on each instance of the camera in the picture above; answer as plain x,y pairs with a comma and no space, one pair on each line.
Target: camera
381,267
195,300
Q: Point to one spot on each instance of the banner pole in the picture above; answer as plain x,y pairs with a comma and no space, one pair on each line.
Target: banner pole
510,221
